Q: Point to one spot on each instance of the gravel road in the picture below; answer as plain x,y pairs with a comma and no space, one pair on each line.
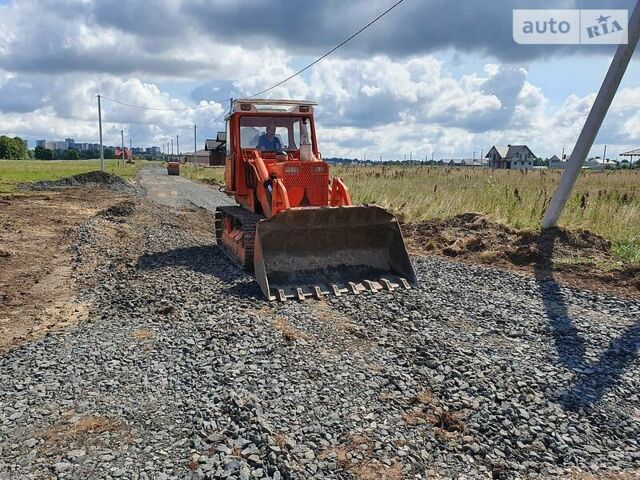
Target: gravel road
179,191
184,371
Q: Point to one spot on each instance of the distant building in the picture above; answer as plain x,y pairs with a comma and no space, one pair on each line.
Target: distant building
511,157
202,157
26,144
632,154
557,162
41,143
216,149
465,162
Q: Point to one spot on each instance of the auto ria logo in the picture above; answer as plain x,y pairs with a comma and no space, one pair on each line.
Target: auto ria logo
570,27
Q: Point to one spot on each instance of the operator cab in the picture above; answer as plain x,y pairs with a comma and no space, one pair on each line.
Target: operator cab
280,130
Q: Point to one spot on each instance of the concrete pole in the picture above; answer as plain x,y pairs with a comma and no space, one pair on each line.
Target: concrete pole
100,128
604,157
594,121
178,145
122,145
195,142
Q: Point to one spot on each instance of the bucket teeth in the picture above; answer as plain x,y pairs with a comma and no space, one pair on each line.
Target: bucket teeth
351,288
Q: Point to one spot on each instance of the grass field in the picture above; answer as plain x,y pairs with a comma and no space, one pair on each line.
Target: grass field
13,172
606,203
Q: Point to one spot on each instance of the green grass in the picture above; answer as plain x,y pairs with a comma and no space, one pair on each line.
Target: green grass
214,175
13,172
606,203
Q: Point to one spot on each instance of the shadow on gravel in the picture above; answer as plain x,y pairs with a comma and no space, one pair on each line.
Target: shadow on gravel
593,379
209,260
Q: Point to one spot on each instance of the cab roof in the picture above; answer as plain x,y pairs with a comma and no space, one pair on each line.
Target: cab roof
257,105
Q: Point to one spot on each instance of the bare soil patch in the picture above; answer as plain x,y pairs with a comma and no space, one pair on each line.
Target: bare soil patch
76,431
575,257
37,288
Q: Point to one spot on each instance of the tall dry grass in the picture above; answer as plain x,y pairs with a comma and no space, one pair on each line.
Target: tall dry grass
606,203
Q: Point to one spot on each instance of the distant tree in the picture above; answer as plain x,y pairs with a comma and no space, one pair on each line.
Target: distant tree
5,147
42,153
73,154
12,148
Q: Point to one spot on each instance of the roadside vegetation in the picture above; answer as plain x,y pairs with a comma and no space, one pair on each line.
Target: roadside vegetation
606,203
14,172
210,175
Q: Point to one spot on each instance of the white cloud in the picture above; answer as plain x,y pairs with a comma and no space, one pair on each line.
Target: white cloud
66,106
56,56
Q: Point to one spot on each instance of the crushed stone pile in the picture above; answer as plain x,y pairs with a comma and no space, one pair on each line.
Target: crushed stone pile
89,179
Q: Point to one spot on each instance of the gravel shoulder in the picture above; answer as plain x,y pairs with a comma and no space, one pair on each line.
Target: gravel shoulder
182,370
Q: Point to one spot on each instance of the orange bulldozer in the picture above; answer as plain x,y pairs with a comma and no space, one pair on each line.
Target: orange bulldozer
293,225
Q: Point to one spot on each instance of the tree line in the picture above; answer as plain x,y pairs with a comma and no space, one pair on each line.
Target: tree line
15,149
42,153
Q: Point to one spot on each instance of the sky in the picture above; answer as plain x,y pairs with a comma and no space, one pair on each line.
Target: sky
432,77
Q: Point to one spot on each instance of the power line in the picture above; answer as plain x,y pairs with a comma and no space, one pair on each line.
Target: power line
317,60
142,107
330,51
217,118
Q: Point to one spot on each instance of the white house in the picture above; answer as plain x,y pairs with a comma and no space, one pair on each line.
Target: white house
465,162
556,162
511,157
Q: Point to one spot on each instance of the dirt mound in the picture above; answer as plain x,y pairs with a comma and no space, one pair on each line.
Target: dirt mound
579,256
118,213
89,179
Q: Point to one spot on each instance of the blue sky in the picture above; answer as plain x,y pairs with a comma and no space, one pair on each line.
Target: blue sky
432,77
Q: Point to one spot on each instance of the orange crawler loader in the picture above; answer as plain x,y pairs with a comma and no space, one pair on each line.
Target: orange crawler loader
173,167
294,225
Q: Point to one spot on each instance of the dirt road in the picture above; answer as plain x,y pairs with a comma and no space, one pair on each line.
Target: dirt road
182,370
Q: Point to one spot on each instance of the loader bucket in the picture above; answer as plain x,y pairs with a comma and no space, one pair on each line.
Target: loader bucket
317,251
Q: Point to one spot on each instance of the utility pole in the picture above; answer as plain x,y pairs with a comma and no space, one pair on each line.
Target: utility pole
122,145
195,142
596,116
178,145
100,128
172,147
604,157
433,154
